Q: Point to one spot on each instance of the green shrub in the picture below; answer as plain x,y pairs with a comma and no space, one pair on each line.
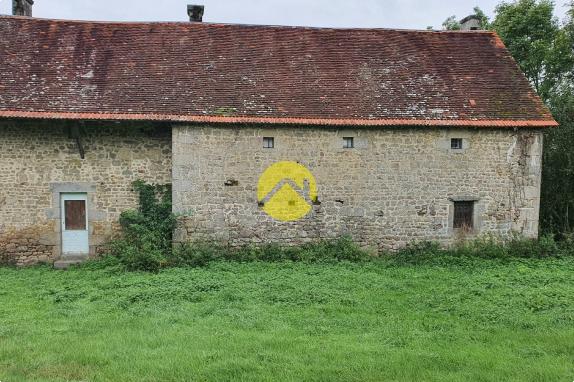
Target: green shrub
196,254
146,240
515,246
154,221
202,253
488,247
343,249
545,246
422,248
418,252
565,244
249,253
138,255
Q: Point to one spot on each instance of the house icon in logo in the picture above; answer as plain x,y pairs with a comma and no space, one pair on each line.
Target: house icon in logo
286,191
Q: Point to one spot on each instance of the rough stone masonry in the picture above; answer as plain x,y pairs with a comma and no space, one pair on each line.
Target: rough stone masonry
39,160
395,186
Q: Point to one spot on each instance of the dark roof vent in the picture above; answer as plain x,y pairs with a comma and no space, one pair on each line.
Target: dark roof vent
195,13
22,7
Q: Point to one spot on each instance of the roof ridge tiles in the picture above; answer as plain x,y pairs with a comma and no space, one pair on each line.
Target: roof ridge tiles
216,24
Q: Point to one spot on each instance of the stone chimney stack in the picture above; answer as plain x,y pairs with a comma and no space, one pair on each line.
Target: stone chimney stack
470,23
22,7
195,13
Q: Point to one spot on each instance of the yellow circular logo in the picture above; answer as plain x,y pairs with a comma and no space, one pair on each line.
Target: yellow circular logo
286,191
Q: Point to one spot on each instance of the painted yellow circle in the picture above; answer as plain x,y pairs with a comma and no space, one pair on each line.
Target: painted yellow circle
286,191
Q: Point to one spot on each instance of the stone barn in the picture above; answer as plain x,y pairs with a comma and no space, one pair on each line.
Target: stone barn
267,133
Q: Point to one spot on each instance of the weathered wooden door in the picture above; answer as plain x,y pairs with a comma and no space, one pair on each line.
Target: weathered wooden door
74,224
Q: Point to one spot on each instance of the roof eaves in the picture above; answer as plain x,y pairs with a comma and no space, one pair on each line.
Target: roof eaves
279,121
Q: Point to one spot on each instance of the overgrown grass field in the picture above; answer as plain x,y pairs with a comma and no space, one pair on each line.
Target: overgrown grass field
455,320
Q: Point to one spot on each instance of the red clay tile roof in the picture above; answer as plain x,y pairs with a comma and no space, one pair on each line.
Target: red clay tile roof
203,72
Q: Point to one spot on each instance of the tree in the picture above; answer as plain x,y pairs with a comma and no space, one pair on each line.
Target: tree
534,38
451,24
557,199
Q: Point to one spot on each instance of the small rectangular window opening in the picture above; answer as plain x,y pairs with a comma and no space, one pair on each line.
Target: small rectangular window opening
268,142
348,142
456,143
75,215
463,213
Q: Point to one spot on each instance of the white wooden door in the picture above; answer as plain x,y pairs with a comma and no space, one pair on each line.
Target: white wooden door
74,209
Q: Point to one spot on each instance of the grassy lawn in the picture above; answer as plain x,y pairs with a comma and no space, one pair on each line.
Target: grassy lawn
481,320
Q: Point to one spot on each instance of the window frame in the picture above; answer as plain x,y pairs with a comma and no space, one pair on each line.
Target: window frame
466,222
268,142
347,140
75,214
459,144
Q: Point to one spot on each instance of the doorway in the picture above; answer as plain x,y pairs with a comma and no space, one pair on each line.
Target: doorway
75,235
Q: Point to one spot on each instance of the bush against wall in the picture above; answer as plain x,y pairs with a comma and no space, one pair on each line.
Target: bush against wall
327,251
146,240
147,233
485,247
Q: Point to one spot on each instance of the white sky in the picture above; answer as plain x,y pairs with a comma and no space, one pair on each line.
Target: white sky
411,14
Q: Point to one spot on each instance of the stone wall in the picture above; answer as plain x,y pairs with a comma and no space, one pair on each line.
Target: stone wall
40,159
397,185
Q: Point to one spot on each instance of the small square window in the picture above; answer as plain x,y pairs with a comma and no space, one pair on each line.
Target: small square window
456,143
463,213
268,142
348,142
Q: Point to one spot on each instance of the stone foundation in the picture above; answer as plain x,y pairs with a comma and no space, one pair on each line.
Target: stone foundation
27,246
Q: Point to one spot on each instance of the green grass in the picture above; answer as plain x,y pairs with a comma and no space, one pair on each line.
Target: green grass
469,320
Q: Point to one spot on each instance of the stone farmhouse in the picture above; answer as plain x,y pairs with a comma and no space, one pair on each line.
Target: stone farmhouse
409,135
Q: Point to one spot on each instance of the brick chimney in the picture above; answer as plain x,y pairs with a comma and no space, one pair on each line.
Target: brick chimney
22,7
195,13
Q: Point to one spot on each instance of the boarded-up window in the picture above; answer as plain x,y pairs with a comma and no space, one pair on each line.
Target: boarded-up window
75,215
463,212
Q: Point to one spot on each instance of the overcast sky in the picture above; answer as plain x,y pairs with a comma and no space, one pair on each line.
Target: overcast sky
412,14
